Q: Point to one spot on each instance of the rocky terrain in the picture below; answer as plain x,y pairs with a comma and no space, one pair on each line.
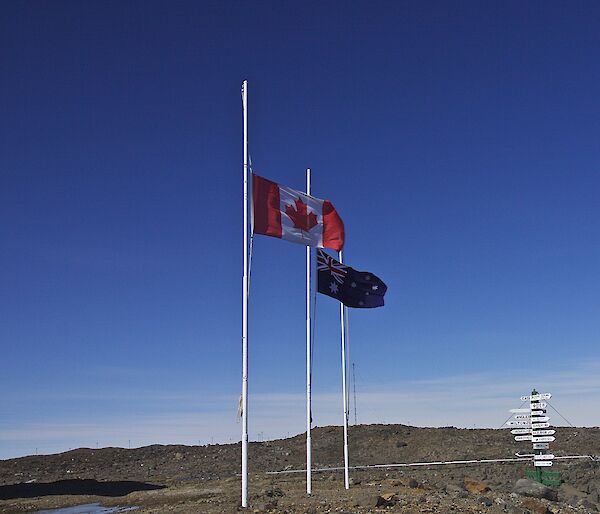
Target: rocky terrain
202,479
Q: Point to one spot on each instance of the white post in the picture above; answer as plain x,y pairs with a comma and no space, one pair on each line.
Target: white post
308,363
344,393
245,309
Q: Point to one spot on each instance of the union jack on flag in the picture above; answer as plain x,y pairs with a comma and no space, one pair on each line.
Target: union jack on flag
337,270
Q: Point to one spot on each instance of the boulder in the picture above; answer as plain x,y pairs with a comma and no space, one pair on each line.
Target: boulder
456,490
373,501
273,492
388,497
588,505
381,501
484,500
533,489
535,506
475,486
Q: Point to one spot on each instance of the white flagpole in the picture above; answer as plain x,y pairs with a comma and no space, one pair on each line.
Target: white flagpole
245,309
308,363
342,309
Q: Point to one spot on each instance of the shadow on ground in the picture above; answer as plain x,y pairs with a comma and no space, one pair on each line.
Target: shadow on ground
77,487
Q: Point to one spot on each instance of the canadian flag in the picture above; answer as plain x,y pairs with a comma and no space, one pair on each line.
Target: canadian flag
295,216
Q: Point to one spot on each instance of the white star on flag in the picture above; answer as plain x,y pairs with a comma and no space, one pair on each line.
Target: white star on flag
333,287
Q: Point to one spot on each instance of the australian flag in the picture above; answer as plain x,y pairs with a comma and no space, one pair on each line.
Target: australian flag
353,288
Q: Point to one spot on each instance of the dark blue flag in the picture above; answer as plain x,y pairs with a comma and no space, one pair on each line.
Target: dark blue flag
353,288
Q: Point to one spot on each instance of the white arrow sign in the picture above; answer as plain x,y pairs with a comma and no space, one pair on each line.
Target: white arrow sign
522,416
536,397
523,438
536,419
540,405
544,439
540,463
538,412
546,456
541,446
518,410
540,425
543,432
518,431
519,423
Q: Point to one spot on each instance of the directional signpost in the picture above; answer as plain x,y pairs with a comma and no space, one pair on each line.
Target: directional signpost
545,432
523,437
544,439
535,423
540,425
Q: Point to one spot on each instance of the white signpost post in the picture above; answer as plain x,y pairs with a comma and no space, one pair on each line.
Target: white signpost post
537,421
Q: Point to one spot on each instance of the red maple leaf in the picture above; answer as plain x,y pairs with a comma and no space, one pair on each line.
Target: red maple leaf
300,216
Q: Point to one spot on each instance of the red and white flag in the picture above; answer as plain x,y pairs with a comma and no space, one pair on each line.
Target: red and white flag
295,216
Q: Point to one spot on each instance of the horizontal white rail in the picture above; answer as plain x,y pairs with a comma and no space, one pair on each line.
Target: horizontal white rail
433,463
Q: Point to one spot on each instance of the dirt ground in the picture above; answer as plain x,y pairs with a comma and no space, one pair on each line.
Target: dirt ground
203,479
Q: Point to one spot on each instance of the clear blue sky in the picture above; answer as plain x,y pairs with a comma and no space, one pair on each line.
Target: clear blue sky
458,141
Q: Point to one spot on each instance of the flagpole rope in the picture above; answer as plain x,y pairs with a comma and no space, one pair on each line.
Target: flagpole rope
312,339
251,230
511,416
347,362
560,414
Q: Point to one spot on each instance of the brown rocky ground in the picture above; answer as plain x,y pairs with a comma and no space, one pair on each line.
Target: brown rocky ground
202,479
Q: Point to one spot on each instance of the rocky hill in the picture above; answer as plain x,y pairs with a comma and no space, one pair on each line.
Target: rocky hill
190,473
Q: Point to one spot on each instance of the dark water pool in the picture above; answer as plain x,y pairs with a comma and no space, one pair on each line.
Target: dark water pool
88,508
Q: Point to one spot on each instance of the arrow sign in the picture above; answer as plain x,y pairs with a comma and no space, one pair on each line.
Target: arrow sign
541,446
540,463
518,410
536,419
521,423
523,416
540,405
546,456
518,431
540,425
523,438
544,439
543,432
536,397
538,412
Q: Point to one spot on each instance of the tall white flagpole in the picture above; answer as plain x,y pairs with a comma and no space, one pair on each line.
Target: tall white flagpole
308,363
245,309
342,311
